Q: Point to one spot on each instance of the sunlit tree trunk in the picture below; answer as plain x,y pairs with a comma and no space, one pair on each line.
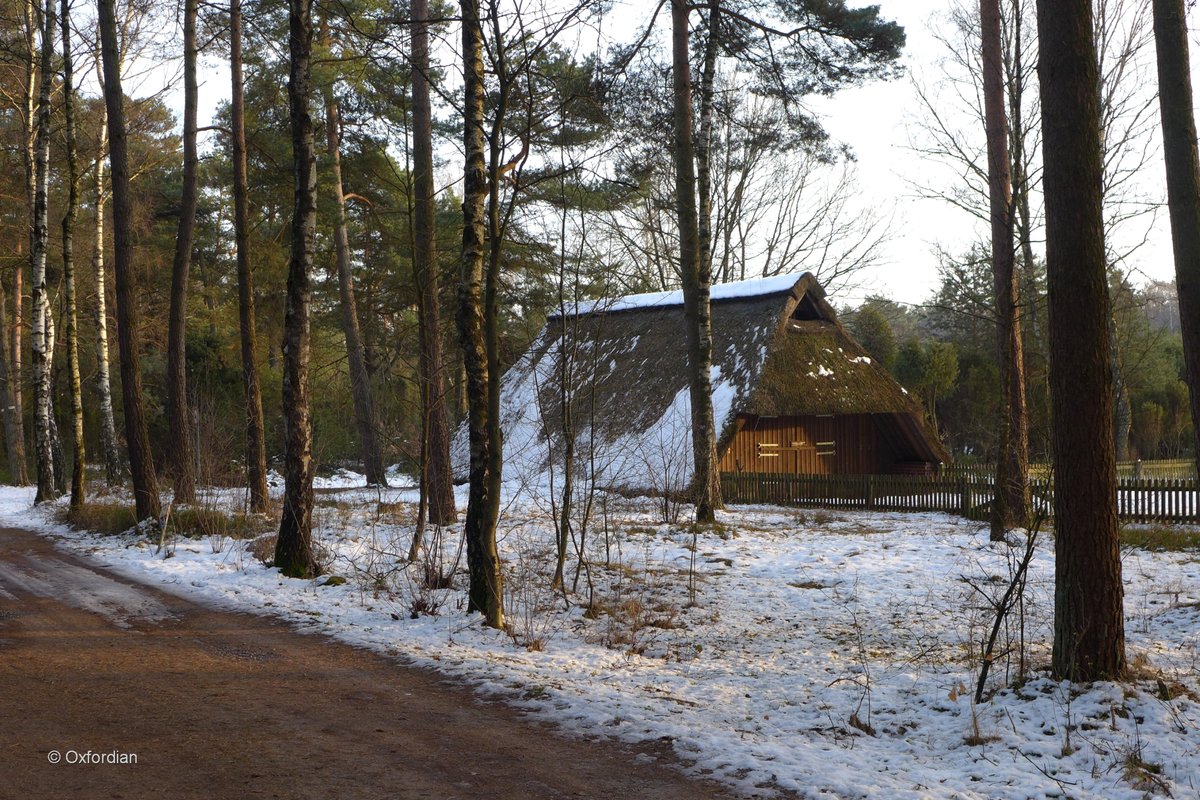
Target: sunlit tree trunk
486,591
178,416
1089,634
79,469
42,348
695,277
1183,181
256,452
108,424
141,461
293,548
360,381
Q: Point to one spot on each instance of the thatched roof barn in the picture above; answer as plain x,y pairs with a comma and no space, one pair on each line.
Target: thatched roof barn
792,392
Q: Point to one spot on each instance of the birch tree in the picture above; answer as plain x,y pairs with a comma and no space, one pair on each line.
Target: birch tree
42,349
79,468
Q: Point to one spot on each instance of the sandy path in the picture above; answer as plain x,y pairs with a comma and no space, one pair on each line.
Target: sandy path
222,705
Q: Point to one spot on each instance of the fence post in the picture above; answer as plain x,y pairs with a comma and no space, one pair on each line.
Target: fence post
965,489
871,491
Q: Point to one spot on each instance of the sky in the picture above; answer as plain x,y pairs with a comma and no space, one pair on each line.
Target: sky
877,121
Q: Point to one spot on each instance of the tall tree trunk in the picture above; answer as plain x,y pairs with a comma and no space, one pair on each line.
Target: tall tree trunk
1089,638
256,450
12,427
360,381
437,483
1011,507
108,424
42,349
28,105
78,470
178,417
293,548
1183,181
695,277
141,460
486,592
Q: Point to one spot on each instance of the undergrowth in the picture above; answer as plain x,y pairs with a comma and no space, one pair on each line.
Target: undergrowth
1160,538
191,522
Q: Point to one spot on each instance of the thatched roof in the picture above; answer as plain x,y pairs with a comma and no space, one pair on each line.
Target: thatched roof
777,349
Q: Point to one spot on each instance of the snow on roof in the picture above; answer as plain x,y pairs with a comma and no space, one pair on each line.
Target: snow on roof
755,287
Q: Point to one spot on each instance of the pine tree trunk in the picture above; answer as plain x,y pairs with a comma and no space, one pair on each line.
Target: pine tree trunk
360,381
42,351
486,591
141,461
1183,182
695,277
1011,507
14,449
256,451
79,466
293,548
29,101
108,425
178,417
437,483
1089,639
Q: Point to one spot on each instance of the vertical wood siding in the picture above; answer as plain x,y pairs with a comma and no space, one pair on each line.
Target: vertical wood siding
849,444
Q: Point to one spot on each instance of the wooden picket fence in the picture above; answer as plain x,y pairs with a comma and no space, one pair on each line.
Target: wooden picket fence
1138,500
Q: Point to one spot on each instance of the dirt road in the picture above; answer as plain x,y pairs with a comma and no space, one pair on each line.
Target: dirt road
218,705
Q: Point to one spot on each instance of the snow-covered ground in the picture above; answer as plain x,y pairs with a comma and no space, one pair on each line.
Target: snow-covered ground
830,654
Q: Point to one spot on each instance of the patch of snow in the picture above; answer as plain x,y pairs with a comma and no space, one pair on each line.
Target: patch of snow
720,291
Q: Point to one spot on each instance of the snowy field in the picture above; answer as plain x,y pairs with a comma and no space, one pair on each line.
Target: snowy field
821,654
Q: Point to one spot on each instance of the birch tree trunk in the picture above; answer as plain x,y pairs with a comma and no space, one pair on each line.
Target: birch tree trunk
256,452
437,484
360,382
1089,634
486,592
42,351
108,425
1183,181
178,417
79,468
141,461
293,548
695,277
1011,507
